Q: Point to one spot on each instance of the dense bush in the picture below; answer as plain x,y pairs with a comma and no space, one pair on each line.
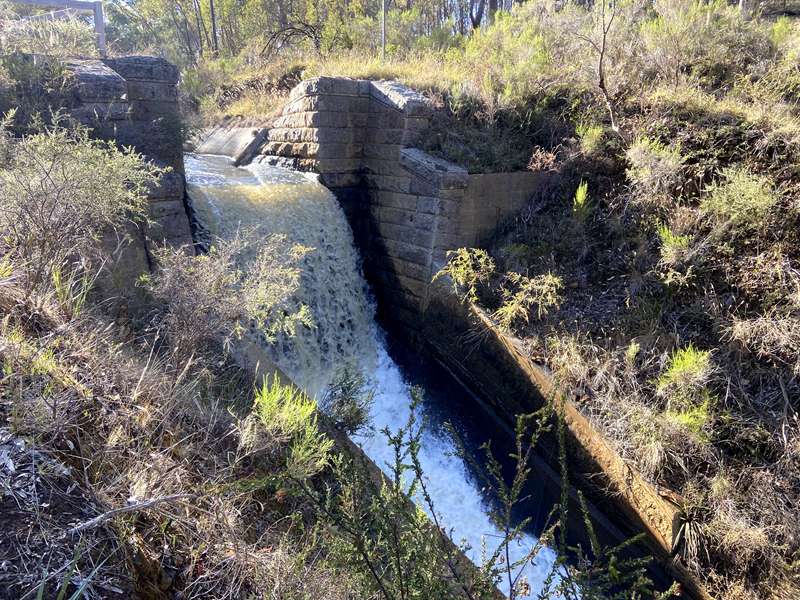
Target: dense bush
44,234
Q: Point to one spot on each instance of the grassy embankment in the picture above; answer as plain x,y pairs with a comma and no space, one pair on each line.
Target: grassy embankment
663,291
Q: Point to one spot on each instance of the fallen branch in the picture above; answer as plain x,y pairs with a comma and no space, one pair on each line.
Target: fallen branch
100,519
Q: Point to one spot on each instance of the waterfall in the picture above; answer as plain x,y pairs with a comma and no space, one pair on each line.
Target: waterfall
270,200
262,201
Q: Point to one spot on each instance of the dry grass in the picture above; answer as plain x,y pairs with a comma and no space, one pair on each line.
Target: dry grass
132,425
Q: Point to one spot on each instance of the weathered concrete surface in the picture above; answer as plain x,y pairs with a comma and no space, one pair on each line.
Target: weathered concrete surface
497,369
239,142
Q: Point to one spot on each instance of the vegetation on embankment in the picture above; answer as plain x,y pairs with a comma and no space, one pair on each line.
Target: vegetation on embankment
658,279
138,459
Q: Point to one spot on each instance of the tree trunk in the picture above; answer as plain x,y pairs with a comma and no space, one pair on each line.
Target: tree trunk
214,38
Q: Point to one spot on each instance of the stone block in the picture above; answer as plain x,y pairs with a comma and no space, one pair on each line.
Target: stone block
387,120
440,172
406,251
389,183
411,218
94,82
326,85
93,112
401,97
332,102
299,150
428,204
329,150
314,119
144,68
375,135
396,200
384,167
409,235
402,267
336,165
382,151
152,90
423,187
149,110
340,180
169,223
170,185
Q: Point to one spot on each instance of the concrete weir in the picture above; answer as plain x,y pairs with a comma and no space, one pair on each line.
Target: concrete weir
407,209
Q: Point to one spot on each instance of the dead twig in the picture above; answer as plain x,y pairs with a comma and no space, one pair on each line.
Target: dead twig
100,519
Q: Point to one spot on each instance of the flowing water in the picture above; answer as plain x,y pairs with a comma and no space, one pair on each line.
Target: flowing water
269,200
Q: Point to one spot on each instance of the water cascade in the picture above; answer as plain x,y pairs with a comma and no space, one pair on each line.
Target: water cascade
269,200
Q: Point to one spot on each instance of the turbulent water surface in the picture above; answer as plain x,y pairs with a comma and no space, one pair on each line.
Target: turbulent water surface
271,200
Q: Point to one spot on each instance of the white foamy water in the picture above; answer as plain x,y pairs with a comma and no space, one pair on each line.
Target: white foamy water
277,201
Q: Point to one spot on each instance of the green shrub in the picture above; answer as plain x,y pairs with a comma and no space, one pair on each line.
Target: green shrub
521,294
673,246
289,417
741,201
684,383
581,206
215,298
61,191
675,250
655,169
467,268
592,137
692,418
348,400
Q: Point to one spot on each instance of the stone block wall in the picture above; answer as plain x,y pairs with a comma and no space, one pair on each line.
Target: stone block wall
406,208
134,102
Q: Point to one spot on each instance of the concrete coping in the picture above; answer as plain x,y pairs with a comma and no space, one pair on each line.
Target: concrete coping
340,86
401,97
96,82
444,174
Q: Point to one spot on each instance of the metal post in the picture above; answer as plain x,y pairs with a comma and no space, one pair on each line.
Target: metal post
100,28
383,30
88,6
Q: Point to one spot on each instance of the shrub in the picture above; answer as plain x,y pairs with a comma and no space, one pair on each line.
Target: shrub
705,41
468,268
592,137
673,246
675,251
61,191
541,291
742,201
348,400
581,207
289,417
655,169
210,299
52,37
686,377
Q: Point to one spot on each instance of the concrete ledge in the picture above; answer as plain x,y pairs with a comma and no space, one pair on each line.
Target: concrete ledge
435,170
